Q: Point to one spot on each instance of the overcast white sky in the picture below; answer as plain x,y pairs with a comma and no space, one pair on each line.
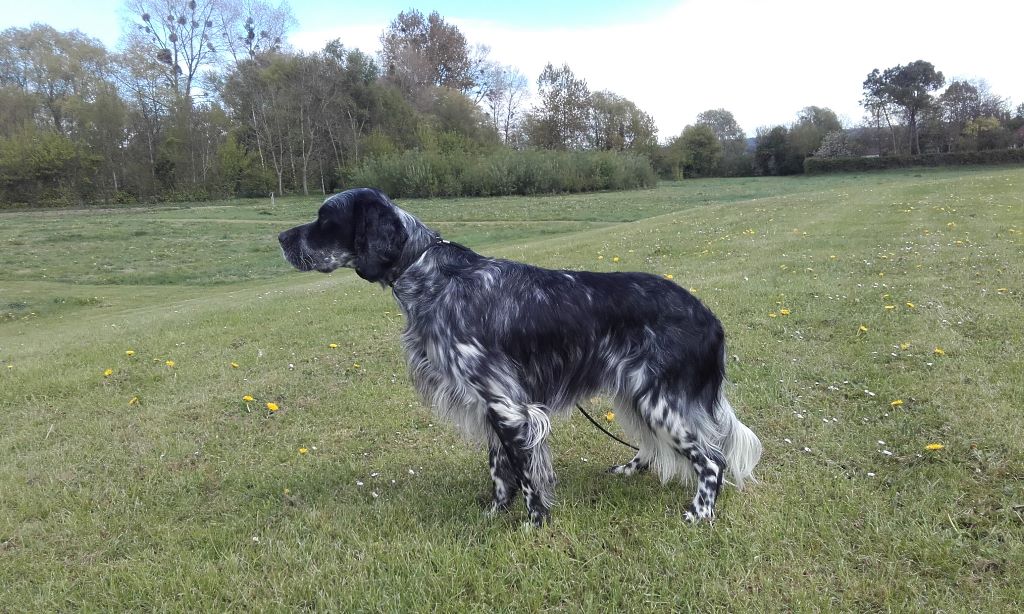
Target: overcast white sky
762,60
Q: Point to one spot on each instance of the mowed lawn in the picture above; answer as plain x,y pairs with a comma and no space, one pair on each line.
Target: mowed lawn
869,317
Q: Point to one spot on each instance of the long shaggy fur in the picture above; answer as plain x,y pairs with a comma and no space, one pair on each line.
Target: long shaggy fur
498,347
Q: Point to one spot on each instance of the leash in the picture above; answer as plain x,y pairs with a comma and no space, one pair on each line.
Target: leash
602,429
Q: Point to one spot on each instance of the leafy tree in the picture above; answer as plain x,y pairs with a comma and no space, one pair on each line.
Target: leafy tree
701,149
57,68
734,142
835,144
907,88
418,51
561,119
617,123
774,153
812,124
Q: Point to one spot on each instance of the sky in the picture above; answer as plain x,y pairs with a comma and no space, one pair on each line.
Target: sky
762,60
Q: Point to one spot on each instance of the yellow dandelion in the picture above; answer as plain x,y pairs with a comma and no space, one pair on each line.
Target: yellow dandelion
910,305
772,314
303,450
934,447
862,329
784,312
129,352
287,491
234,365
355,365
896,403
133,401
333,346
272,406
905,346
108,372
939,351
609,416
890,307
615,259
668,276
600,257
169,363
248,398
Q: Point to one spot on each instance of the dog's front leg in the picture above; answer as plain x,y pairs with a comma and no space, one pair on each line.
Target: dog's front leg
521,430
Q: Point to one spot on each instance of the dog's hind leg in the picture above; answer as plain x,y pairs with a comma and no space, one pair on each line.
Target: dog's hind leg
522,430
506,482
709,465
675,426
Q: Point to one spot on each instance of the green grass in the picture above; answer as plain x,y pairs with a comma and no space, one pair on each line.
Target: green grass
191,499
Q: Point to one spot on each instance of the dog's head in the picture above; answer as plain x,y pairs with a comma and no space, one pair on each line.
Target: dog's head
359,229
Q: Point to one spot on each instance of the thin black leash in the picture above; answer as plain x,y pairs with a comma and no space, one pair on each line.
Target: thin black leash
595,423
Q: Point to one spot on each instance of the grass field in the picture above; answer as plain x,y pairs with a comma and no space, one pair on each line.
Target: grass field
868,317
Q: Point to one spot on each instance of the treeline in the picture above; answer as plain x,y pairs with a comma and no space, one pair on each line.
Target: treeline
912,117
205,99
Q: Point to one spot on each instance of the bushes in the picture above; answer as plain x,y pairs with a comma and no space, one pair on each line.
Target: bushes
838,165
503,172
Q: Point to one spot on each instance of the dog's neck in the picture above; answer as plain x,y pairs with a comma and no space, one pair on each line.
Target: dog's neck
421,238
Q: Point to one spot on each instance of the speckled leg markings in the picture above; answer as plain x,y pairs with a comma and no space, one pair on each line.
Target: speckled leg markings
506,484
709,468
637,465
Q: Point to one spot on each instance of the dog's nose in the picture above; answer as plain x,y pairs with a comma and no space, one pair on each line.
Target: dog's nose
281,238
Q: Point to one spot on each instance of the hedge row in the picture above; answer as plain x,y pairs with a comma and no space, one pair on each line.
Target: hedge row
838,165
504,172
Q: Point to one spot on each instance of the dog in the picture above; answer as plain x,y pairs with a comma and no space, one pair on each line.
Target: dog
499,347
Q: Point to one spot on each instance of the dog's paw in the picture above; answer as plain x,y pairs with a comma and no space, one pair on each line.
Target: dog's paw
628,469
494,508
693,515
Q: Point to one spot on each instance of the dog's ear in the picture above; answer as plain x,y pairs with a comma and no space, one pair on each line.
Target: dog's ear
379,239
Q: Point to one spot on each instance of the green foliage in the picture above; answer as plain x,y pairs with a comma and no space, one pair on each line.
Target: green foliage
812,124
735,159
43,167
238,172
873,163
503,172
561,120
774,153
702,150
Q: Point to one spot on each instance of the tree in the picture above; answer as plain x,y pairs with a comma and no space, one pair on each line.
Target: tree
907,88
812,124
732,138
701,149
252,27
879,104
418,51
504,93
183,37
774,153
58,68
834,145
561,119
618,124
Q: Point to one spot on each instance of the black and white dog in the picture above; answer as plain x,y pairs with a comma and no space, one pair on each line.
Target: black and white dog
497,347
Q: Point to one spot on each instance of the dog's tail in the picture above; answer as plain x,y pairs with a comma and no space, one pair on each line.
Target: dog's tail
741,446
